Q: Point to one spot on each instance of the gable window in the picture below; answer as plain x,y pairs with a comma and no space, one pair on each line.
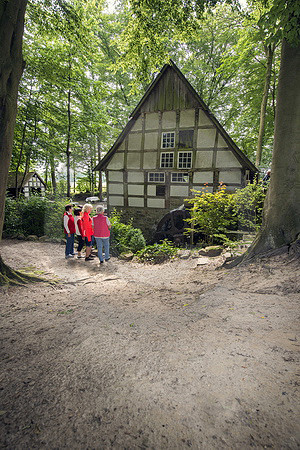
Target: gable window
156,177
167,160
185,160
185,138
168,140
179,177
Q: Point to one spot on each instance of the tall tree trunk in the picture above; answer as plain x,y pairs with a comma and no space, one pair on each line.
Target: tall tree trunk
20,159
269,50
68,152
52,162
100,187
281,224
11,68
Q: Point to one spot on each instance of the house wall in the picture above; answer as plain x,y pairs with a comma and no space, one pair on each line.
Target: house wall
171,108
33,185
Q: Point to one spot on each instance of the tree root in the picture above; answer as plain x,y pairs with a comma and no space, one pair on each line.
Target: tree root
14,277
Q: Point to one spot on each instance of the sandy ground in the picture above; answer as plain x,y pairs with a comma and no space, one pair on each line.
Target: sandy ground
131,356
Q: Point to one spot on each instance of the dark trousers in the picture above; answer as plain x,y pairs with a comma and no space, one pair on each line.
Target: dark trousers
80,243
69,245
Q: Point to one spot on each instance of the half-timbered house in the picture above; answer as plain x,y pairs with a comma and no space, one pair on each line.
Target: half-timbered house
171,145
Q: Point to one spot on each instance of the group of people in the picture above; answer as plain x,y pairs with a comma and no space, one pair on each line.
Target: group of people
87,229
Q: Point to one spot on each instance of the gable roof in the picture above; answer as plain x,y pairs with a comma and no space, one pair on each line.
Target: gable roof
137,111
11,182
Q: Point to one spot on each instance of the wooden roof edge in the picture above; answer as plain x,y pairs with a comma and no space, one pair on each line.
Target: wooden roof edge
106,158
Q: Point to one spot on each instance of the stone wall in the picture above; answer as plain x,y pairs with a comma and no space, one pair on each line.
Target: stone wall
143,218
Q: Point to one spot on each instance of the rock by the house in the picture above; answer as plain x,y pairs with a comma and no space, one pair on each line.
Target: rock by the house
126,256
20,237
32,237
184,254
202,261
212,251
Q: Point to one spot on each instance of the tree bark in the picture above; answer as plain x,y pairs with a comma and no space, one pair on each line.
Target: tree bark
100,187
281,223
269,50
68,152
11,68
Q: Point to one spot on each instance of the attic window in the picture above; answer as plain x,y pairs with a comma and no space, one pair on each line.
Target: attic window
167,160
185,160
168,140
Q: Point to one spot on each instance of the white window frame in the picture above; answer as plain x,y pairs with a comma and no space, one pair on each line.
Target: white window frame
185,166
161,162
174,175
156,175
168,137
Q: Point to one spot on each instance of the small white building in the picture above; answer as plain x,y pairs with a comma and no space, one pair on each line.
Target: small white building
27,185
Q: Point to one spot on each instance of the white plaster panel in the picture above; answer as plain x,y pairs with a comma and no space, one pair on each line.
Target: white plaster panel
230,177
151,121
117,161
221,142
203,177
135,189
204,119
136,201
133,160
169,120
179,191
138,125
206,138
203,189
156,203
204,160
149,160
187,118
116,201
151,190
150,141
135,177
122,146
115,188
115,176
134,141
227,159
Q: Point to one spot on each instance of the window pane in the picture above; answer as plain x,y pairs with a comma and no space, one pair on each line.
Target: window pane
156,177
168,140
166,160
184,160
180,177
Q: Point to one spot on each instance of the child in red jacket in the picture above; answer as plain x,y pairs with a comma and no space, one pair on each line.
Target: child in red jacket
79,231
87,228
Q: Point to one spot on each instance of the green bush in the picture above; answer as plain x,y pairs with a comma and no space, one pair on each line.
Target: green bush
212,214
124,237
157,253
215,214
36,215
248,206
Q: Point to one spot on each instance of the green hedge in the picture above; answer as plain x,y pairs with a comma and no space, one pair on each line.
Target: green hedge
34,216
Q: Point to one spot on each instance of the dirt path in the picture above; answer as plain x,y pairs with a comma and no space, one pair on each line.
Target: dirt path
128,356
